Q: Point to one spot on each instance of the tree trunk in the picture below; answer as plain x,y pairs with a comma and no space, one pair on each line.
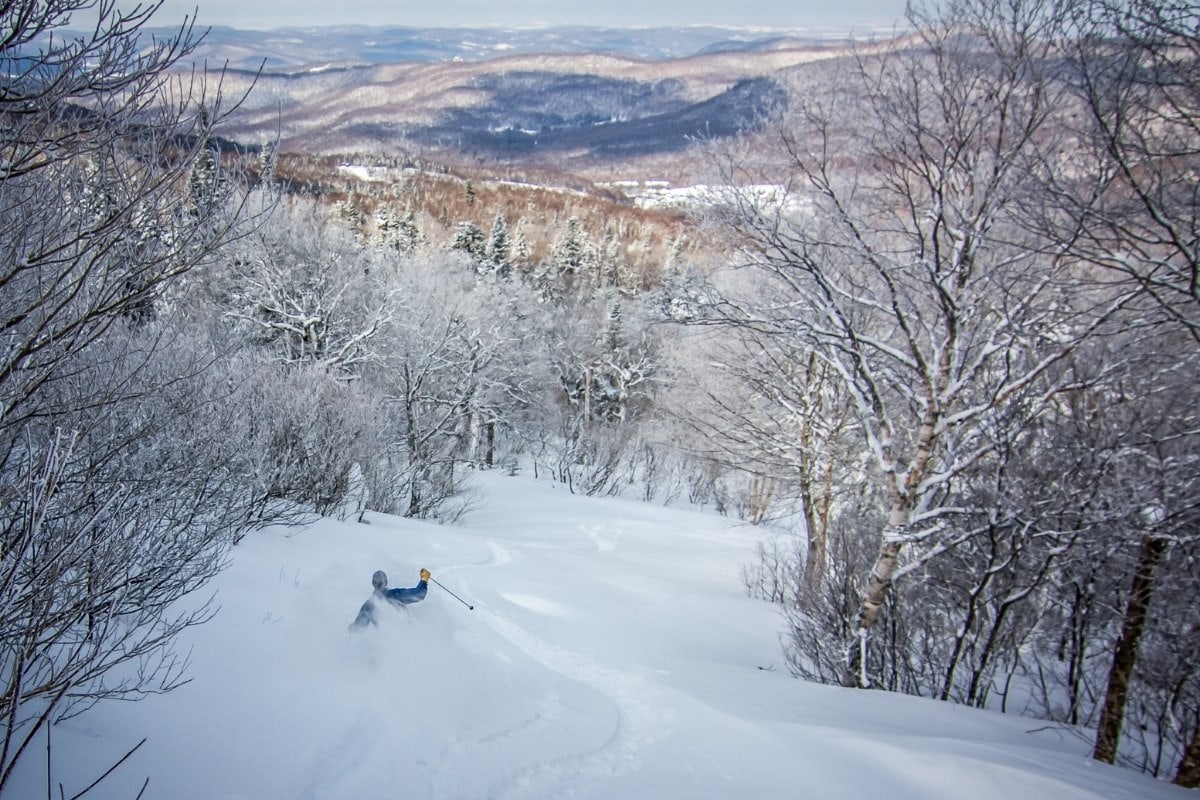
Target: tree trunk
587,396
490,459
1108,730
879,583
1189,768
818,525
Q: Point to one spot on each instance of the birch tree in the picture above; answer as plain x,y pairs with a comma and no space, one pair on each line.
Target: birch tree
890,251
759,407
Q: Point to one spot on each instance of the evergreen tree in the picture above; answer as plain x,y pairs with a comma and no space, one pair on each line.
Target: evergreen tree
267,158
573,253
616,267
674,263
205,182
399,233
469,239
408,235
520,246
98,203
386,224
347,211
498,247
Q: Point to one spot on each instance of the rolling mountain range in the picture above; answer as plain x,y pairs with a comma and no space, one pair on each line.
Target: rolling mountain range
562,98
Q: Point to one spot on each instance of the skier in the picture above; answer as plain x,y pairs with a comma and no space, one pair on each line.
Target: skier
366,614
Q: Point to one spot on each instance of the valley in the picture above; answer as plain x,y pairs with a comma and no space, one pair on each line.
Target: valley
610,109
538,127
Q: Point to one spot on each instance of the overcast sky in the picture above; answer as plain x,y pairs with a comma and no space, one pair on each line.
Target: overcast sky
266,14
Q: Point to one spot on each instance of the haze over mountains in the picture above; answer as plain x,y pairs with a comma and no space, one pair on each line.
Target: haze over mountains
292,49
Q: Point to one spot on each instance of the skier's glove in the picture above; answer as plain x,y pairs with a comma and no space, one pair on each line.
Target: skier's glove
425,574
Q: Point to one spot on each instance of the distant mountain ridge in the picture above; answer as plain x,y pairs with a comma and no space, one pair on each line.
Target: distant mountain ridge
649,118
569,99
290,49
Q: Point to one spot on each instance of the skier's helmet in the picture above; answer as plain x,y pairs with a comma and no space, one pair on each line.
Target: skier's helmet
379,579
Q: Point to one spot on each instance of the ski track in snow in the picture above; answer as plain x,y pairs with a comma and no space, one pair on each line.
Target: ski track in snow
500,555
638,721
538,605
604,543
349,750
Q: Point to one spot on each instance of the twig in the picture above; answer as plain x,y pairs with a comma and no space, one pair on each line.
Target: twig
108,772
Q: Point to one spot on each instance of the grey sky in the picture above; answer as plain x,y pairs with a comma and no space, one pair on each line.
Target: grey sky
264,14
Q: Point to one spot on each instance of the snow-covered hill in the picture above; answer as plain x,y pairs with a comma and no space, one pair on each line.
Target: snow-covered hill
612,652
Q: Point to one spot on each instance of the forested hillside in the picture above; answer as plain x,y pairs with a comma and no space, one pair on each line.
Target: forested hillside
574,111
925,310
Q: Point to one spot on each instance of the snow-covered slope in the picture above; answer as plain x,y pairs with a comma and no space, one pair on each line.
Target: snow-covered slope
611,653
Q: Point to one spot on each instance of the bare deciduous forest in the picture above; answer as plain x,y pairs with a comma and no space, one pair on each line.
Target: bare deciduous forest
932,321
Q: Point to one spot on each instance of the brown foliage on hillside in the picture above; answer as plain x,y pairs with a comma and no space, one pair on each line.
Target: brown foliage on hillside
536,203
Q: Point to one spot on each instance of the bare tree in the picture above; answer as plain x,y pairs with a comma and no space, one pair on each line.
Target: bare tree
606,362
1130,191
890,251
94,147
305,430
1110,480
117,497
306,290
1130,197
452,356
770,411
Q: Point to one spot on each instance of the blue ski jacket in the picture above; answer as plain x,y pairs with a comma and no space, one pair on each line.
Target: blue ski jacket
404,596
366,614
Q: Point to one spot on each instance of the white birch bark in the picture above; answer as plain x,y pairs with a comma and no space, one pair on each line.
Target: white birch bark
897,259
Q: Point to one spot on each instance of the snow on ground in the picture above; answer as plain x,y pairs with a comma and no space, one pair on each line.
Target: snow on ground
612,652
362,173
661,194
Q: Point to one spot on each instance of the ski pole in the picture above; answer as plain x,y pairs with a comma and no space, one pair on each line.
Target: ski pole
452,594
